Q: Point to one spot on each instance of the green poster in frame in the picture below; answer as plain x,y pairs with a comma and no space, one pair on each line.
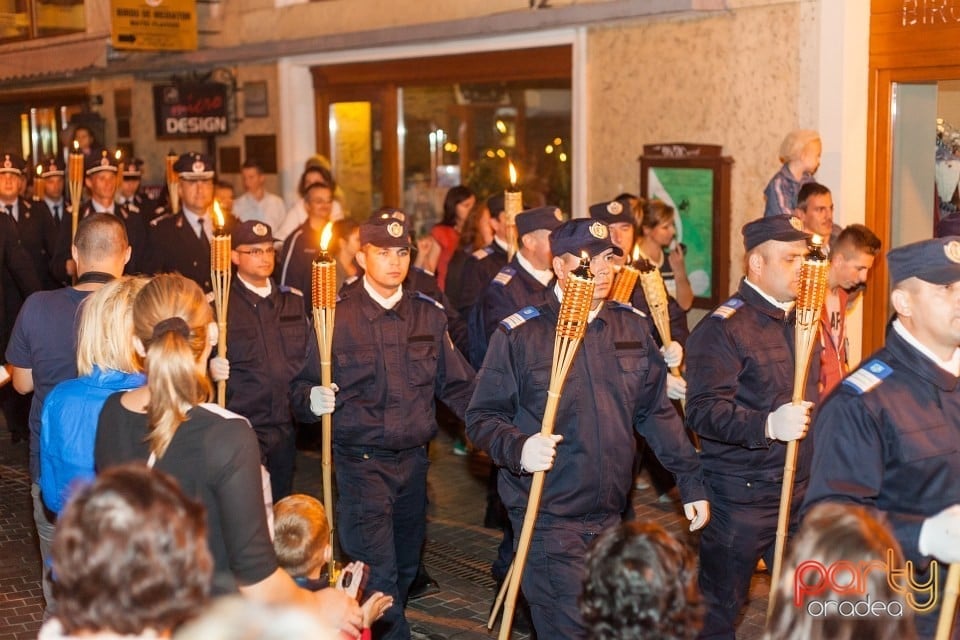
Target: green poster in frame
694,179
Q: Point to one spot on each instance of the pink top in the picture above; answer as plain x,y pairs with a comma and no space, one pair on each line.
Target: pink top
449,239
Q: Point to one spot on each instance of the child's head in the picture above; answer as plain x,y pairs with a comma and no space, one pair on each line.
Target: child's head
301,536
802,147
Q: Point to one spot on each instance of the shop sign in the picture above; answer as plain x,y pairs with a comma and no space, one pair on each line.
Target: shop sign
154,25
191,110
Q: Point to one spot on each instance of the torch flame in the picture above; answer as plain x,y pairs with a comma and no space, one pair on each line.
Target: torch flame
816,239
118,155
218,214
636,253
325,236
39,170
513,175
76,146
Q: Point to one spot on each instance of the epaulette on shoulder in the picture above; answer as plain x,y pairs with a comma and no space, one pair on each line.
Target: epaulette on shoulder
727,309
868,376
293,290
626,306
161,218
512,322
480,254
504,276
425,298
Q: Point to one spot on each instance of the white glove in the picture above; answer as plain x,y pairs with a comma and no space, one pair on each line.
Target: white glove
672,354
676,387
698,513
219,369
940,535
323,399
789,422
539,452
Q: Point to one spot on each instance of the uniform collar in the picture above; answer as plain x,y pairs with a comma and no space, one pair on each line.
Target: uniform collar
500,244
386,303
543,276
761,301
263,292
951,367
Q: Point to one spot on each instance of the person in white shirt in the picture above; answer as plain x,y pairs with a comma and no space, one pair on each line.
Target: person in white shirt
257,203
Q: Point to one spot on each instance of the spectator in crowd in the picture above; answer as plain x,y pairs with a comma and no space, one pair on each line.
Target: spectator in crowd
477,234
640,583
224,194
832,533
130,558
301,540
233,618
297,215
658,244
457,205
42,350
257,203
302,246
106,363
344,246
815,210
211,452
800,155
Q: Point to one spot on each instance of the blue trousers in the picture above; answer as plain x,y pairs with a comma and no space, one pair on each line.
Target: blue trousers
382,521
553,575
742,529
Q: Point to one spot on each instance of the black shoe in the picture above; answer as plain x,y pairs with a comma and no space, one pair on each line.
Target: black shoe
423,585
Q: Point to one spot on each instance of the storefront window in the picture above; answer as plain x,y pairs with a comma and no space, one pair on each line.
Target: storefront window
27,19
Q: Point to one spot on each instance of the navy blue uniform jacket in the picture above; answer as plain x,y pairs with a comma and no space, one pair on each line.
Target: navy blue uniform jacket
616,384
266,345
888,438
389,364
739,370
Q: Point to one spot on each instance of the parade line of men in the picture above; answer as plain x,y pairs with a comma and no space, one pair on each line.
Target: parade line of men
886,436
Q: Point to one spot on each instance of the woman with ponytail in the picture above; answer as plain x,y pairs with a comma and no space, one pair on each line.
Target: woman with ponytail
211,452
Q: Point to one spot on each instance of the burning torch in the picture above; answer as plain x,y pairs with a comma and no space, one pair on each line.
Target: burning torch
220,279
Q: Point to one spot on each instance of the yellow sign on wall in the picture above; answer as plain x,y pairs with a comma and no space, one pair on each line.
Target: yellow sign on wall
155,25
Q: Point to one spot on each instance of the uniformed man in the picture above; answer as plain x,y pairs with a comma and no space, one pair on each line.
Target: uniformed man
740,366
391,355
523,282
483,264
266,344
130,194
888,437
100,178
34,226
616,385
52,170
181,241
18,280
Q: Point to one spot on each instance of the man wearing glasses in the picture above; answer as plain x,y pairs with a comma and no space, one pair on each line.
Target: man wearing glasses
266,344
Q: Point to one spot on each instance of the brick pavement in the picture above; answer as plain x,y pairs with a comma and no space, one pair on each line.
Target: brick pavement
458,554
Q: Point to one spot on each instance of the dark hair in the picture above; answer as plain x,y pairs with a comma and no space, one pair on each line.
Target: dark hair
809,190
454,196
316,185
252,163
129,554
100,236
224,184
325,174
640,582
341,231
857,237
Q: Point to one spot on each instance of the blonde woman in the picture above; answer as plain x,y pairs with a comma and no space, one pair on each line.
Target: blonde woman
211,452
106,363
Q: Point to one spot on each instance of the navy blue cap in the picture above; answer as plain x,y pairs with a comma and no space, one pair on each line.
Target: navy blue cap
52,166
12,163
948,226
936,261
386,228
133,168
99,162
194,166
582,235
540,218
613,211
781,227
251,232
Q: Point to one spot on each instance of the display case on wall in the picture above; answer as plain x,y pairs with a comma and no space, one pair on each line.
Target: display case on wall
694,179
